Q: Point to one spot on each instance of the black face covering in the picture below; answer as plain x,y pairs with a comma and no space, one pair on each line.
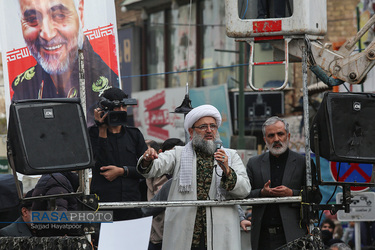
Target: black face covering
326,236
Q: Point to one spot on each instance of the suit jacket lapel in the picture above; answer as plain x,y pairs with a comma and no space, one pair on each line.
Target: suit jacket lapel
289,169
266,168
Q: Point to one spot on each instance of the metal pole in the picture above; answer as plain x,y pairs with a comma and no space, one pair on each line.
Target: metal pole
241,101
13,166
359,41
84,174
138,204
306,124
306,117
187,135
85,184
357,235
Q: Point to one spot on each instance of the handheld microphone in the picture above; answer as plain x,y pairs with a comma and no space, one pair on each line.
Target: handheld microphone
218,144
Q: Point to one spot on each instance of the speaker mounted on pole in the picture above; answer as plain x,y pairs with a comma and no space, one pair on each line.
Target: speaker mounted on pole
345,127
47,136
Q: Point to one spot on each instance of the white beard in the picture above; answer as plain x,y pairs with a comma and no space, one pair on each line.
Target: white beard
278,151
206,146
45,62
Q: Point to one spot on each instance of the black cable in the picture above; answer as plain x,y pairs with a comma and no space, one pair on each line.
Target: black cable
215,166
334,191
209,198
211,216
69,191
346,88
212,221
212,229
216,172
243,3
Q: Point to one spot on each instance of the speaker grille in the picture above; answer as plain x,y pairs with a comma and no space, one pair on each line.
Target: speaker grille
49,137
353,129
345,125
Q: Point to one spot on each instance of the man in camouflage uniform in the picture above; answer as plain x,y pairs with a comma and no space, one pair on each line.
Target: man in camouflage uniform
201,170
53,34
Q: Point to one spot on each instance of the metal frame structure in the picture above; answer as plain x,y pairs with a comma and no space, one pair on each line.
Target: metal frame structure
285,62
212,203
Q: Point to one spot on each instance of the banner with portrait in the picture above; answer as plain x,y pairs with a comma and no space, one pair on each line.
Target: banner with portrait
40,41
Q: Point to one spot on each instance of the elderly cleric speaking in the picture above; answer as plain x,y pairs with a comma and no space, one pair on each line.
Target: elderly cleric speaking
200,171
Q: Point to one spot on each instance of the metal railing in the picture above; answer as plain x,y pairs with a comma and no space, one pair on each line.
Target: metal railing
253,201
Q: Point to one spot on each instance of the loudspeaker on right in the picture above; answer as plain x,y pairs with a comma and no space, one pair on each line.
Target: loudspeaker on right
345,126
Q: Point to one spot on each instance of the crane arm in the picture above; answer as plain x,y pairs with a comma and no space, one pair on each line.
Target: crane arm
341,64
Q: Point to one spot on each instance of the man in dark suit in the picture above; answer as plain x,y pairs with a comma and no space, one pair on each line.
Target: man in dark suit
277,173
21,227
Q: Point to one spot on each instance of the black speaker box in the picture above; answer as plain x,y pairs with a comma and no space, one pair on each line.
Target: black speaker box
345,124
48,135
